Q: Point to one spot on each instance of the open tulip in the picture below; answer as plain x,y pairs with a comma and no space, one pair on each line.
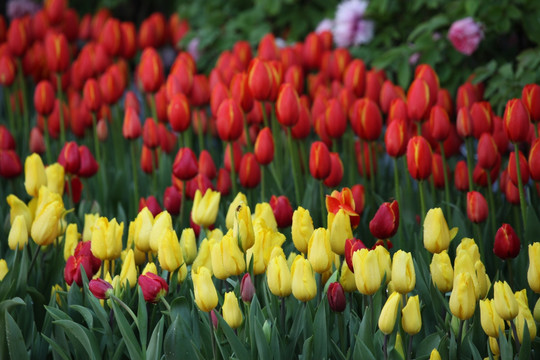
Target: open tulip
387,318
82,256
107,239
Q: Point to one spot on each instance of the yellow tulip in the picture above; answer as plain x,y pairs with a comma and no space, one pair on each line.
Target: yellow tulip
188,245
411,320
45,226
243,227
18,234
347,278
403,274
463,298
385,263
162,224
265,241
387,318
149,268
205,208
490,319
505,301
216,235
107,239
301,229
533,274
464,263
34,174
45,197
169,252
536,312
366,271
483,279
231,310
319,252
204,255
182,273
19,208
278,275
129,271
89,221
437,236
264,212
203,287
233,258
71,239
55,178
468,245
142,229
494,345
339,227
218,268
3,269
304,287
441,270
434,355
231,213
524,317
140,257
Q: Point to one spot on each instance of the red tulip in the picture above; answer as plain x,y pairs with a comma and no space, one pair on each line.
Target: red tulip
352,245
516,121
132,125
237,156
128,47
100,288
81,256
172,200
287,105
464,123
153,287
426,73
76,189
295,76
466,96
69,157
151,203
264,147
150,133
319,160
530,96
444,99
511,191
499,135
8,70
57,51
482,118
250,172
439,123
10,164
477,207
282,209
335,119
55,10
185,165
7,142
260,79
418,100
354,77
268,49
366,120
487,151
437,171
149,159
337,63
162,103
523,167
461,176
18,37
419,160
111,37
37,143
396,138
343,200
92,95
363,162
398,110
507,243
374,81
151,70
247,290
88,164
303,127
534,160
230,121
336,172
385,223
178,113
336,297
358,194
241,92
223,183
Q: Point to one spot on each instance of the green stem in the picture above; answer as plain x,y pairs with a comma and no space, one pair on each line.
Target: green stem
212,335
409,348
48,154
96,140
323,204
342,338
22,86
446,183
262,184
7,92
233,170
491,204
422,201
459,336
516,338
128,310
153,108
282,316
470,167
385,347
134,174
294,168
34,257
60,108
398,198
248,139
522,200
276,178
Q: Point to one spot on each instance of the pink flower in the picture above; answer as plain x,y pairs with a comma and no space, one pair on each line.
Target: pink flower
350,26
325,25
465,35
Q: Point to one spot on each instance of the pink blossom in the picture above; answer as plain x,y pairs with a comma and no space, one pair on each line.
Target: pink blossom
19,8
325,25
465,35
193,48
350,26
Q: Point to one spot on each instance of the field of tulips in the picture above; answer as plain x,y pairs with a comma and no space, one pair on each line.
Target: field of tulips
293,202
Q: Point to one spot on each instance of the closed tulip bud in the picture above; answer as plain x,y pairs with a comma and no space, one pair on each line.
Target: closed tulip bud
3,269
366,119
8,70
512,168
128,274
487,151
335,119
319,252
162,224
131,129
150,133
265,213
336,297
403,274
142,229
339,229
530,96
19,208
533,273
477,207
92,95
385,223
231,212
304,287
34,174
319,160
150,71
396,138
464,123
89,166
534,160
426,73
100,288
387,318
205,207
247,290
287,105
336,172
107,239
419,160
101,130
506,243
463,299
504,301
153,287
169,252
278,275
347,278
354,77
264,147
18,234
71,240
434,355
439,123
516,121
389,92
231,310
437,236
70,158
282,210
491,322
229,120
418,100
45,225
411,320
179,113
55,178
398,110
525,317
260,79
243,227
188,245
442,273
250,171
44,97
366,271
302,229
57,51
482,118
185,166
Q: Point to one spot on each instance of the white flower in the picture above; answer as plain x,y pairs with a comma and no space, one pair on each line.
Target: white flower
350,26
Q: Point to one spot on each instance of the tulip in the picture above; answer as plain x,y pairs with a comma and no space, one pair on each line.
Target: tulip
387,318
437,236
227,258
477,207
504,301
441,270
89,166
385,223
131,129
366,120
525,317
439,123
287,105
487,151
512,168
366,271
461,176
264,212
172,199
506,243
411,320
418,100
107,239
419,160
335,120
231,311
100,288
45,225
336,297
71,240
283,212
483,279
533,273
278,275
536,311
34,174
319,252
185,166
403,274
319,160
351,246
530,96
128,273
178,112
247,290
44,98
150,71
153,287
18,207
18,234
142,229
516,121
491,322
205,208
264,147
162,224
243,227
396,138
250,172
8,70
463,300
229,121
169,252
240,198
57,52
188,245
55,178
81,256
301,229
339,229
3,269
260,79
303,285
534,160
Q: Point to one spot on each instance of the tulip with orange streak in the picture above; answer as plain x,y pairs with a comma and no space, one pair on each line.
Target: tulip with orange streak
319,160
260,79
230,120
482,118
426,73
250,172
178,112
419,160
477,207
366,121
44,98
396,138
287,105
150,70
418,100
530,96
354,77
516,121
439,123
466,96
335,119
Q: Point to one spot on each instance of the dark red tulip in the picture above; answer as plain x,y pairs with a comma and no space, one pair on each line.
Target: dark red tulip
389,93
336,297
76,189
507,243
69,157
303,127
151,203
172,200
523,167
223,183
185,165
10,164
534,160
153,287
7,142
358,193
100,288
151,70
247,290
81,256
363,161
250,172
477,207
57,52
464,123
18,37
461,176
352,245
282,209
419,160
88,164
487,151
516,121
111,37
444,99
482,118
92,95
385,223
179,113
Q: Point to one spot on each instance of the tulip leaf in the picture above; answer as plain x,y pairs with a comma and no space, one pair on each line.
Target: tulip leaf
57,314
239,349
533,226
86,314
525,351
56,347
180,307
154,346
307,350
177,343
336,351
427,345
320,333
296,329
474,351
142,318
15,340
361,350
78,334
127,333
100,312
505,347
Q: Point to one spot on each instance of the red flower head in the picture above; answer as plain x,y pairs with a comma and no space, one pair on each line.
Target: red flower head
482,118
260,79
366,119
10,164
359,197
8,70
57,51
374,81
247,290
418,100
303,127
185,166
150,70
250,172
149,159
241,92
237,156
264,147
437,171
150,133
18,37
230,121
100,288
419,160
128,47
466,96
223,183
385,223
461,176
507,243
477,207
487,151
530,96
7,142
287,105
268,49
132,125
179,113
82,256
207,165
439,123
172,200
111,37
444,99
516,121
396,138
88,164
343,200
354,77
92,95
282,209
37,143
76,188
398,110
336,172
319,160
151,203
153,287
69,157
534,160
426,73
523,167
352,245
336,297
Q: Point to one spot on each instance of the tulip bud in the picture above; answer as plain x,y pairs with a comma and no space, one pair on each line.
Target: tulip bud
250,172
303,285
442,273
150,71
339,229
107,239
169,252
366,271
418,100
302,228
185,166
512,168
18,234
100,288
265,213
188,245
229,121
88,165
153,287
385,223
396,138
411,320
439,123
463,299
3,269
57,51
435,355
278,275
283,212
247,290
437,236
205,208
366,120
287,106
516,121
506,243
231,311
320,254
243,227
387,318
477,207
319,160
264,147
403,274
131,128
533,273
419,160
530,96
491,322
45,225
504,301
336,297
34,174
44,98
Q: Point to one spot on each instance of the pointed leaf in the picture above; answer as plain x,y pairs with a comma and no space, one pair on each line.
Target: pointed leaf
154,346
15,340
77,334
86,314
236,345
127,333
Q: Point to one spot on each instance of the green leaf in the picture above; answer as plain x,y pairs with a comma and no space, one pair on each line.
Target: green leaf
237,346
177,343
86,314
142,318
127,333
180,307
77,334
525,351
154,346
505,347
15,340
320,346
307,350
57,314
361,351
427,345
429,26
56,347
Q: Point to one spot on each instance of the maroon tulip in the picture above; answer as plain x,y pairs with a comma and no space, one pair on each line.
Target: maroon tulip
44,98
7,142
100,288
336,297
153,287
385,223
223,184
282,209
507,243
206,165
151,203
172,200
10,164
88,164
247,290
69,157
